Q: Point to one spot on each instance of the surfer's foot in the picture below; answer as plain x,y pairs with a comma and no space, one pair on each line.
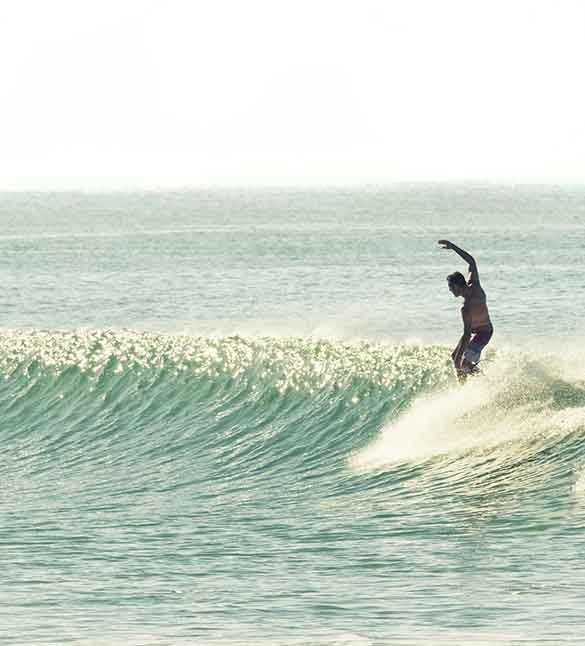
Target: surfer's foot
467,368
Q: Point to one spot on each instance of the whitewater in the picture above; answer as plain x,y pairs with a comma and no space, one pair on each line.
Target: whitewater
230,417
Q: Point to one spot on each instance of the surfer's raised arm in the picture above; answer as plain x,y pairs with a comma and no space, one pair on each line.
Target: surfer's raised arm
469,259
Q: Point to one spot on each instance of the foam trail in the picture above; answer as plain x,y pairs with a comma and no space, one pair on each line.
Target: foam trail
511,403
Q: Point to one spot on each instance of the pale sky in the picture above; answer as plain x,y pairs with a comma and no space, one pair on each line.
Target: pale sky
177,93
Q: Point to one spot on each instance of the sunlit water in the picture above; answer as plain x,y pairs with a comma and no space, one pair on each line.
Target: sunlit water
230,418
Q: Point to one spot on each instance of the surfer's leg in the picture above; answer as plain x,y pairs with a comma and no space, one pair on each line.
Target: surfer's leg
469,367
471,356
472,353
465,369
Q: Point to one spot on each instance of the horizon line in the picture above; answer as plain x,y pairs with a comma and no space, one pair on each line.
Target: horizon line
304,186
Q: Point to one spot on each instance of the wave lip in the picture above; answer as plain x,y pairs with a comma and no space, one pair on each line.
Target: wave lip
279,401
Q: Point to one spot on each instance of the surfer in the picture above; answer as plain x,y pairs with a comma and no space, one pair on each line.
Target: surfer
477,327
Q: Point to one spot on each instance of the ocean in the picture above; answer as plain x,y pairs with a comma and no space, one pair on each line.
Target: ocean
229,417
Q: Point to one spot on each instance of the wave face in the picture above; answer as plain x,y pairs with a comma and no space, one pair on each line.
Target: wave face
203,482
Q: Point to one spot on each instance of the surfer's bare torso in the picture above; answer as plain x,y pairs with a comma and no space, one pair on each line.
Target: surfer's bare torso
475,306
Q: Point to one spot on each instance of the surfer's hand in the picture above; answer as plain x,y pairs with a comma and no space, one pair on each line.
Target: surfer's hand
446,244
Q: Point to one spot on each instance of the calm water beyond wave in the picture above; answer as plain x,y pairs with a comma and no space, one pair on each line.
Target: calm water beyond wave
229,417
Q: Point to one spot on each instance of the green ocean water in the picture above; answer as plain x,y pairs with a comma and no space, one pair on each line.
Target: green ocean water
228,417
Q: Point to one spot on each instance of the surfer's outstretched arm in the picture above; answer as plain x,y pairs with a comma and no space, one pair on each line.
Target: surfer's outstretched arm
469,259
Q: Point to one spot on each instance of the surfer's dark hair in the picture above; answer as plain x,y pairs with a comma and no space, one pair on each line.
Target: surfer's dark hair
457,278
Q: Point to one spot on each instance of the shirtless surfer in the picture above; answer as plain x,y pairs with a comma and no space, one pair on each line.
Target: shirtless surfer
477,327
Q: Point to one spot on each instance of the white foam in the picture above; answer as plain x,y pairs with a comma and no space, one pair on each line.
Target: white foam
579,486
511,401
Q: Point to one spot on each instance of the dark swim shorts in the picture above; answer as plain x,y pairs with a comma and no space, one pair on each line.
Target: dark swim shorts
481,337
